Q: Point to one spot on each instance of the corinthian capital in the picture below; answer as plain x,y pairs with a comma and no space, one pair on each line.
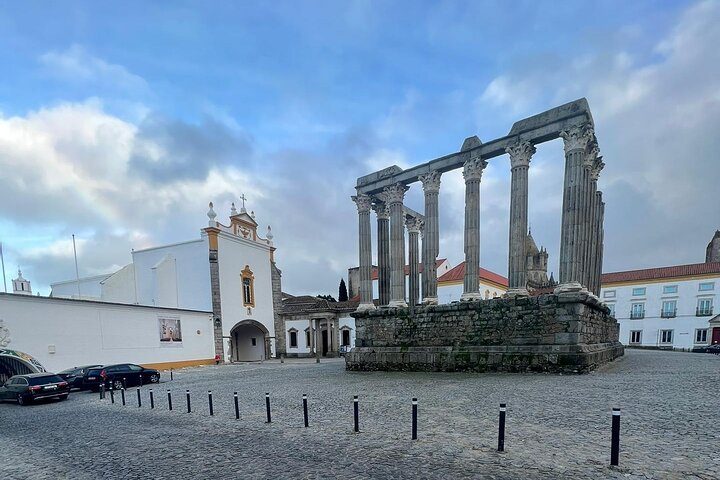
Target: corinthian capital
395,193
578,138
381,209
473,168
431,181
596,167
520,154
363,202
414,225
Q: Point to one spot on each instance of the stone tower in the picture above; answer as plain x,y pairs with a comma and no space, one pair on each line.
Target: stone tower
21,286
712,254
536,262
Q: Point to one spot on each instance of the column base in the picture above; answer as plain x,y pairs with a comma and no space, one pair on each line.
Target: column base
365,306
516,292
430,301
397,303
471,297
569,287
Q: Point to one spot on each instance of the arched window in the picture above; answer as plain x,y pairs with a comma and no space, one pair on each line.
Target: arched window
248,287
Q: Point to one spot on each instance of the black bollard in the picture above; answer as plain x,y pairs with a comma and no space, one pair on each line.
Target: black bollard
102,392
169,400
139,399
152,400
267,407
210,402
615,440
356,414
237,407
112,395
305,412
414,418
187,396
122,394
171,374
501,429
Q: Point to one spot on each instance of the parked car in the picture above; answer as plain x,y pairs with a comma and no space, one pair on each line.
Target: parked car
119,376
34,386
74,376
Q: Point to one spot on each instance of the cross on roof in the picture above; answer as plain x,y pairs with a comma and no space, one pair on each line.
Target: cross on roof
242,197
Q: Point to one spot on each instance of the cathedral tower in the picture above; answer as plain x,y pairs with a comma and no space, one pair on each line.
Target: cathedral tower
712,254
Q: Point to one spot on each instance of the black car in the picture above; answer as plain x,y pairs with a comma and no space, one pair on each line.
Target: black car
119,376
74,376
25,388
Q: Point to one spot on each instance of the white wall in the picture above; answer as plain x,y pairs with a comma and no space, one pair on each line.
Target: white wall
448,293
84,332
350,323
120,286
300,326
90,287
683,325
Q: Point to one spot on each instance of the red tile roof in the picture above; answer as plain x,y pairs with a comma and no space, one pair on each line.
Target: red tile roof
458,273
661,272
438,262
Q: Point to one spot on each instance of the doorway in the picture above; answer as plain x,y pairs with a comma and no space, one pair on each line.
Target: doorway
324,343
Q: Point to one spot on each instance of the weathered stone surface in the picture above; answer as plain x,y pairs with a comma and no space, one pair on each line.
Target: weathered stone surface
570,332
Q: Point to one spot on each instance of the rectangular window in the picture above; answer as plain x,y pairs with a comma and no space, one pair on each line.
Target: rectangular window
666,336
667,289
609,294
253,340
635,336
704,307
701,335
293,339
307,338
706,286
637,311
247,291
669,309
346,338
638,292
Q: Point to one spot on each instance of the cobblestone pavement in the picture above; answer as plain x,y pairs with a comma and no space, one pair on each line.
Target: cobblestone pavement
557,426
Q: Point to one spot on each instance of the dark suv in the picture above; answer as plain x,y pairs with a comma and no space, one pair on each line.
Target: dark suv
75,376
34,386
119,376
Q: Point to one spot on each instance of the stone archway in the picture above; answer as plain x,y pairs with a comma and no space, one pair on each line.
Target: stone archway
250,341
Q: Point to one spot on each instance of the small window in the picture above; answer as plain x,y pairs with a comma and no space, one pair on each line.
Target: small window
667,289
307,338
701,335
638,292
636,336
609,294
669,308
248,291
253,340
666,336
293,339
706,286
705,306
346,338
637,310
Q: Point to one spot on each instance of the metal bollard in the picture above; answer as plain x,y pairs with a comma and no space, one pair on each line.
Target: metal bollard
414,418
282,358
356,414
152,400
139,399
122,394
102,392
615,440
169,400
237,407
501,429
171,374
210,402
187,396
112,395
305,411
267,407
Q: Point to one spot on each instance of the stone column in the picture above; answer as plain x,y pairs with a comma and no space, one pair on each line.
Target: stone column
318,341
588,199
383,239
329,335
431,236
600,240
312,337
394,196
363,205
576,142
594,228
414,226
520,155
472,172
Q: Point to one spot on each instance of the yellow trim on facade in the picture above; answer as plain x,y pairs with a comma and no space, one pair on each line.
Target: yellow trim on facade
684,278
246,273
212,234
179,364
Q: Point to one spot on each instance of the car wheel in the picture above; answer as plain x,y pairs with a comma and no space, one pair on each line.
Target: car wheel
154,378
21,400
117,385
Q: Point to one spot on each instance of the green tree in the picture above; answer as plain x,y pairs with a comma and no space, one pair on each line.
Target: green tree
342,291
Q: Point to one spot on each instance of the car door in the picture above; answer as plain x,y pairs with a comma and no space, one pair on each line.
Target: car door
5,390
122,372
136,374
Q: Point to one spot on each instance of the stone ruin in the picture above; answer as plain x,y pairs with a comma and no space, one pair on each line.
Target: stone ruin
569,330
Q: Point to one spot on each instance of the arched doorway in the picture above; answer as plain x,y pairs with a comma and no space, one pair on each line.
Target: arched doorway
250,341
13,362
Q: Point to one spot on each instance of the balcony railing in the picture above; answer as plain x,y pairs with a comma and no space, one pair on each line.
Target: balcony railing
637,315
704,311
668,313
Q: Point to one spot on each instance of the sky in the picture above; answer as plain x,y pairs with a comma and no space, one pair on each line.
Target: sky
120,122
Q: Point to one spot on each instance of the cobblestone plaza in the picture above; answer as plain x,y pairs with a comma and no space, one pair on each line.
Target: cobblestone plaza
558,426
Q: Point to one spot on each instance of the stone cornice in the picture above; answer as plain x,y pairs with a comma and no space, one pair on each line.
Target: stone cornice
520,154
395,193
431,181
363,202
473,168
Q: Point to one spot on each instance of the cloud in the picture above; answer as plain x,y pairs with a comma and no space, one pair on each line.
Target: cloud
75,64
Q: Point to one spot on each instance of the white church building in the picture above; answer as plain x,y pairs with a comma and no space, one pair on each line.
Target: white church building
229,270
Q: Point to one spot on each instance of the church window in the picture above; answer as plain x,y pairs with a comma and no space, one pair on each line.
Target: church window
346,338
293,339
248,287
307,338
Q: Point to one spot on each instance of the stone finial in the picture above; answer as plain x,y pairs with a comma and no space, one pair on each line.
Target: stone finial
414,224
520,154
269,235
363,202
395,193
578,138
473,168
252,214
382,210
211,215
431,181
233,210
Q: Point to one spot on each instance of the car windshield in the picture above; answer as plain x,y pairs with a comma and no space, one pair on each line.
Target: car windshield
44,379
94,371
68,371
